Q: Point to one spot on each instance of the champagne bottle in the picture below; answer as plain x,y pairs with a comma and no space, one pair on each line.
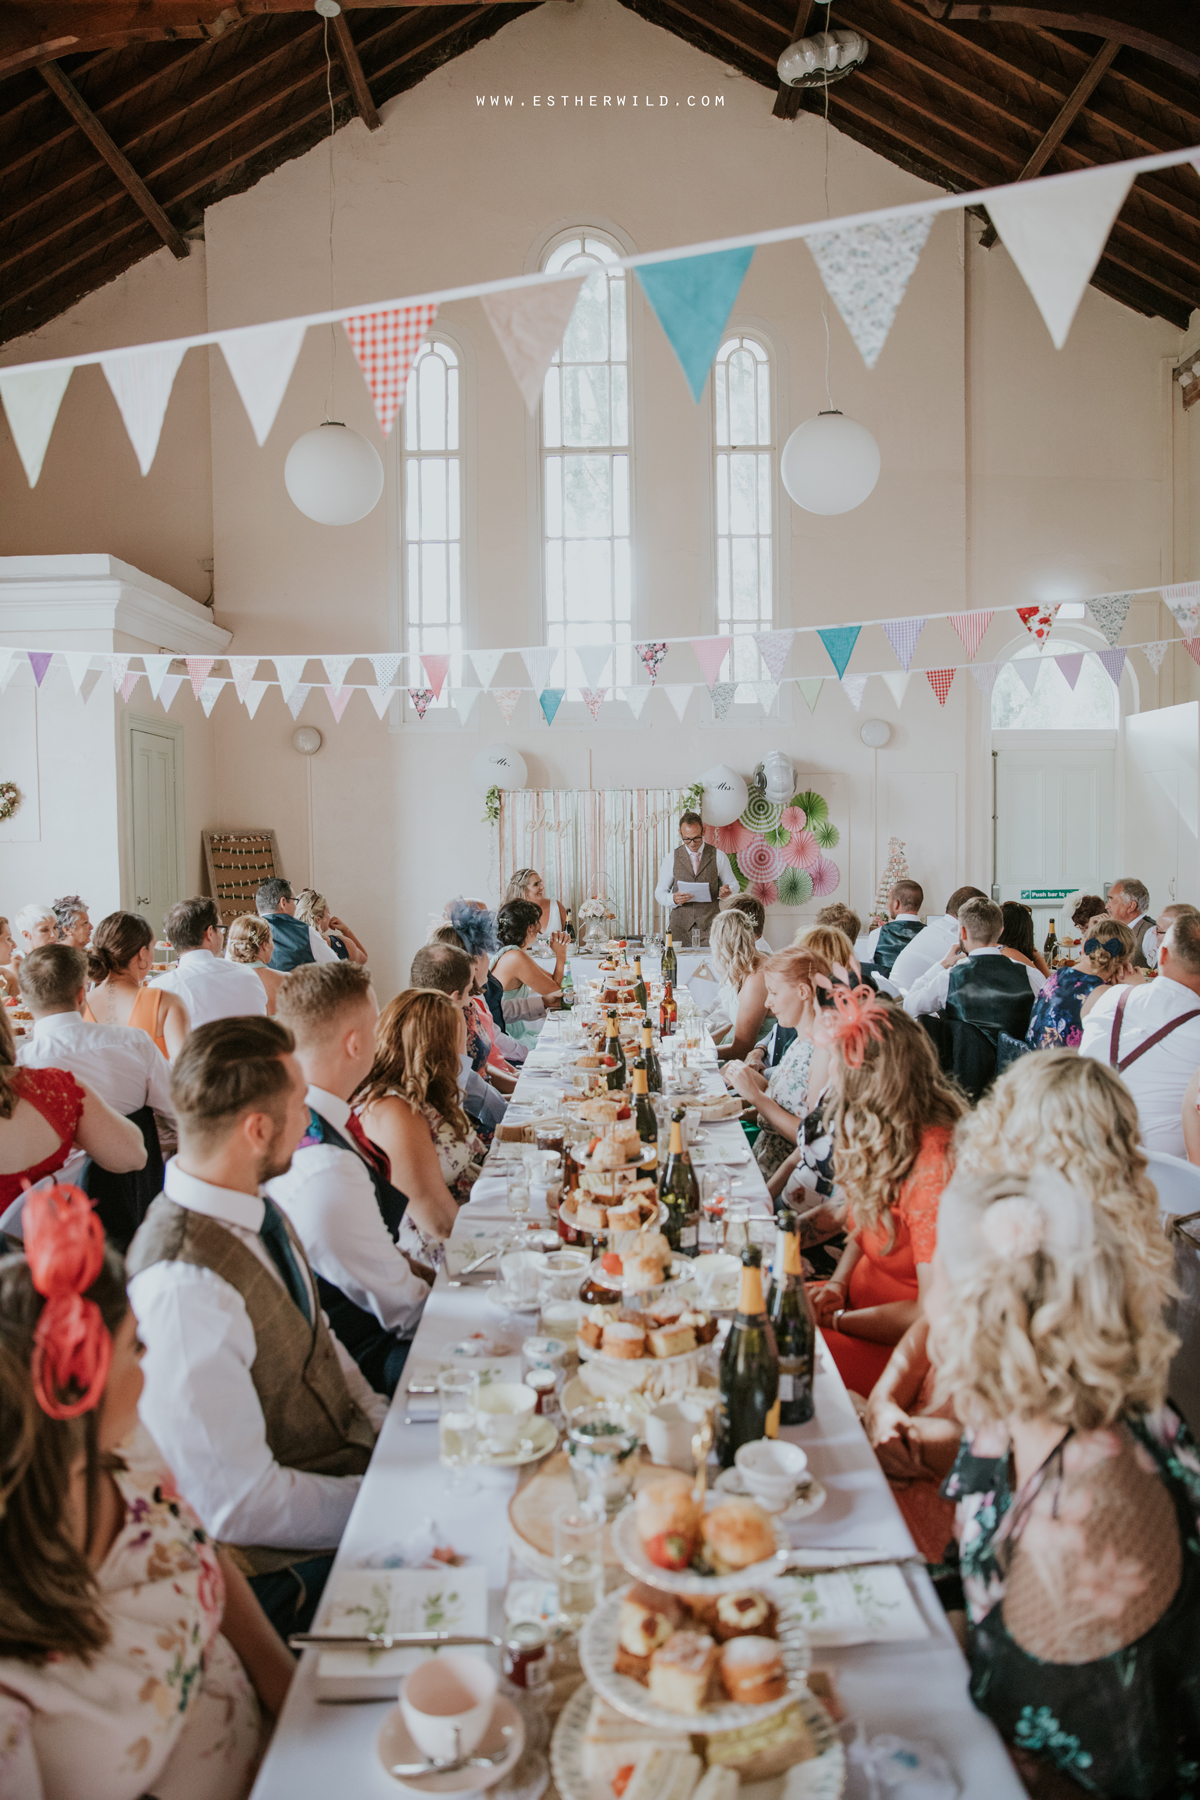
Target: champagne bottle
680,1193
749,1376
643,1112
617,1074
1050,947
670,962
639,985
795,1329
649,1057
668,1013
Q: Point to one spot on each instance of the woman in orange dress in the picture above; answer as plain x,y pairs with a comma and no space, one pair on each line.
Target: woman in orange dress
895,1120
120,957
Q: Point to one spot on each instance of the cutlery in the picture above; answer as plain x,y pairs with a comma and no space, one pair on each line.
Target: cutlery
390,1640
800,1563
470,1268
448,1765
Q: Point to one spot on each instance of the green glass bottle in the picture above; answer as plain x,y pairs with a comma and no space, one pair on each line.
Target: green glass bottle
617,1074
670,962
680,1193
794,1326
639,984
650,1058
643,1112
749,1376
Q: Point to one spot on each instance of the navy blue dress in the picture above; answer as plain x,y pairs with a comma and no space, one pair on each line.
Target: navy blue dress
1055,1023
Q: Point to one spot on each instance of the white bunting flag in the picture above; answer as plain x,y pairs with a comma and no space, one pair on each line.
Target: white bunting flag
766,693
242,668
167,692
985,676
1154,654
810,687
78,663
1027,668
464,702
486,663
854,686
261,359
31,401
1183,599
1069,667
381,699
8,667
866,270
118,668
141,381
1055,229
297,697
773,647
210,692
252,697
530,324
593,660
336,668
679,697
385,668
88,685
540,662
157,669
897,682
635,698
289,670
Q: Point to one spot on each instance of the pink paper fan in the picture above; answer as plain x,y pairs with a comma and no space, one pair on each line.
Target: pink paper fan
759,860
736,838
825,877
766,891
794,818
710,834
801,850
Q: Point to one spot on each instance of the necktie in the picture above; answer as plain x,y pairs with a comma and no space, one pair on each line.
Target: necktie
377,1158
274,1235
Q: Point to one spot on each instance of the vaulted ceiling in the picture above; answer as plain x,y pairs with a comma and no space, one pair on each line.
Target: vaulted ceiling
121,120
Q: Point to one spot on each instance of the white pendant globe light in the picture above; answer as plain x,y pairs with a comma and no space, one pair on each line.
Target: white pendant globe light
830,464
333,475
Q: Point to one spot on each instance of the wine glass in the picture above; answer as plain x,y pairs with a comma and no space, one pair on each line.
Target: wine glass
458,1425
578,1562
517,1196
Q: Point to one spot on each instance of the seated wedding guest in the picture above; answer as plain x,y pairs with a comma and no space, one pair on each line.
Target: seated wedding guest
209,987
35,925
756,912
447,970
248,941
1151,1036
938,935
483,1037
134,1659
517,925
1077,1488
794,978
266,1421
411,1107
1057,1021
504,1008
1085,909
313,909
74,926
904,922
120,956
527,884
742,1000
1017,939
338,1192
474,929
1151,946
831,942
975,981
1129,903
895,1115
695,861
295,941
8,961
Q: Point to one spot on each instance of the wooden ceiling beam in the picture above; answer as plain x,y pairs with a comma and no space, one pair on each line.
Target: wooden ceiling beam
352,69
1164,29
789,99
66,91
709,24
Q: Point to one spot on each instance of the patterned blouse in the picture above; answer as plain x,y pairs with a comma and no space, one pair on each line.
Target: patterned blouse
460,1161
166,1709
1056,1022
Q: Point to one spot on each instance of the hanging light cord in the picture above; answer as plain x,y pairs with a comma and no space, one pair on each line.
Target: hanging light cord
332,211
824,296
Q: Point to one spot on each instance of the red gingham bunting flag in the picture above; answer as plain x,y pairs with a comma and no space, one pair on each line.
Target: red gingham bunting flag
385,344
1037,621
970,627
939,681
652,655
420,698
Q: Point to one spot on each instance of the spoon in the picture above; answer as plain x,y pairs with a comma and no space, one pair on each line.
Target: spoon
449,1765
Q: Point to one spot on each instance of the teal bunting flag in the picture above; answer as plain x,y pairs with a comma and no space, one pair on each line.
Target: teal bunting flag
840,640
693,298
550,700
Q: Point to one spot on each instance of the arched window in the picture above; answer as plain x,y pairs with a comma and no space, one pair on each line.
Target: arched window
744,459
1053,704
585,455
431,506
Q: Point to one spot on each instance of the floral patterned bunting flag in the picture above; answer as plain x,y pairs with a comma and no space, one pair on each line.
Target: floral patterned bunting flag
593,699
242,670
336,669
129,683
722,697
773,647
1110,612
866,269
118,668
420,698
506,699
289,670
940,681
854,686
1038,621
297,697
1183,599
209,694
385,344
971,627
652,655
1154,654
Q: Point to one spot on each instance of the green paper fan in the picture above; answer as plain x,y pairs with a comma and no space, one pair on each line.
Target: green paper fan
813,805
742,880
761,814
795,887
827,835
778,837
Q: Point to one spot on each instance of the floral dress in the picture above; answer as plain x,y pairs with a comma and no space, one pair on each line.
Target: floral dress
460,1161
166,1708
809,1191
1056,1022
1083,1595
788,1087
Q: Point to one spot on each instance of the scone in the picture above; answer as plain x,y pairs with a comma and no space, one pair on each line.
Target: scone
641,1272
608,1154
671,1340
624,1340
752,1670
737,1534
744,1614
664,1312
668,1521
680,1672
646,1619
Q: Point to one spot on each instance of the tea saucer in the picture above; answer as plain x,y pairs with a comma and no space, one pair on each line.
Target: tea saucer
805,1500
538,1441
395,1745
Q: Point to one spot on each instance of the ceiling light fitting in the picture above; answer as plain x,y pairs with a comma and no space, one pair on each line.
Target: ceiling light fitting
817,62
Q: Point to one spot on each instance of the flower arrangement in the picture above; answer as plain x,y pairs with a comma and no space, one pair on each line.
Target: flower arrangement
598,907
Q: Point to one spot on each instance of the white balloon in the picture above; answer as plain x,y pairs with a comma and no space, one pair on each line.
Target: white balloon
830,464
333,475
499,766
779,776
725,796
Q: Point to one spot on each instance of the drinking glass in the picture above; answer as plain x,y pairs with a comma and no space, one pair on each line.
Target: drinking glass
578,1562
518,1198
458,1425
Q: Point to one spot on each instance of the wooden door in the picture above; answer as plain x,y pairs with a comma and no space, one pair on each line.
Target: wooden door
155,815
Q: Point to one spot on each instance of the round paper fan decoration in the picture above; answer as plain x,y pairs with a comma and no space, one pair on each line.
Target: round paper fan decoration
827,835
794,818
761,814
779,837
735,838
761,861
813,805
801,850
766,891
825,877
795,887
710,833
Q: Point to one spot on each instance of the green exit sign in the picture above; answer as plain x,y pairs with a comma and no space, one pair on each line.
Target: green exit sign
1047,893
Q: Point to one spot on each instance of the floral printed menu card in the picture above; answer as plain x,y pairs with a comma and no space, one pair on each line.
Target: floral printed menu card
865,1605
392,1600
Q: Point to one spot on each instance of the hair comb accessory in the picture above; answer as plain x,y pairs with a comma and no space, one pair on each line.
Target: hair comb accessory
1014,1228
1111,946
857,1022
477,929
72,1349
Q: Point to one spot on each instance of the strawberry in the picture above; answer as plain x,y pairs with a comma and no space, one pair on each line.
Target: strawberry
624,1112
593,1143
611,1263
669,1550
621,1779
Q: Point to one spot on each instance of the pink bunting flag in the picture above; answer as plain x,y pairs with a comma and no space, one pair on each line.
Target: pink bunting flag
773,647
339,700
593,699
199,668
971,627
652,655
118,668
710,654
420,698
1038,621
1190,644
1069,667
436,668
940,681
506,699
386,344
902,635
1114,662
39,662
129,683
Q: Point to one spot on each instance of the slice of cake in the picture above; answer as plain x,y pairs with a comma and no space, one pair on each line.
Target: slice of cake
752,1670
681,1670
645,1622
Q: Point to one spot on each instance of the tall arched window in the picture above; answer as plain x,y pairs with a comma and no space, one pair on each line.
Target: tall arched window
1052,703
431,508
585,454
745,515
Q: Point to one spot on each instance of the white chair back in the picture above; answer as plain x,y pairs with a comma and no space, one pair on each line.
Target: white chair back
1178,1184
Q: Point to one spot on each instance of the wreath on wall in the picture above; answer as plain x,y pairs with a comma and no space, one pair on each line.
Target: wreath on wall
10,799
777,851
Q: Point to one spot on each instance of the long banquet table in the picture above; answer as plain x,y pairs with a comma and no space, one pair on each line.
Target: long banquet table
917,1690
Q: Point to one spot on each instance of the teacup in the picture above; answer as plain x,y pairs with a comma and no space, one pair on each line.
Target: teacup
455,1689
505,1409
772,1469
670,1428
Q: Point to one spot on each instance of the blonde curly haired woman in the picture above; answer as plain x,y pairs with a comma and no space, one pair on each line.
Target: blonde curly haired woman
743,995
249,940
1077,1489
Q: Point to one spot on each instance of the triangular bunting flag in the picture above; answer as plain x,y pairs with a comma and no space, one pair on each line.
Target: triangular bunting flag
167,692
289,670
39,662
971,627
1183,599
1038,621
539,662
1114,662
208,695
854,686
420,698
766,693
260,359
297,697
252,697
141,382
652,655
385,344
773,647
8,667
336,668
840,640
1027,668
129,683
506,699
339,700
486,663
436,669
679,696
940,681
722,697
31,401
593,699
635,698
385,668
381,699
593,660
157,669
464,702
897,683
118,668
1154,654
985,676
530,323
242,670
550,699
80,661
1069,667
1110,612
810,687
199,668
1055,230
866,270
1191,645
902,635
692,297
710,654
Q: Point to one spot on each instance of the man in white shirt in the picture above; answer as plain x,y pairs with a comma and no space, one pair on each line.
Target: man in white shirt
1158,1039
885,943
975,980
209,987
296,942
337,1192
935,939
692,861
264,1418
1152,943
1129,904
